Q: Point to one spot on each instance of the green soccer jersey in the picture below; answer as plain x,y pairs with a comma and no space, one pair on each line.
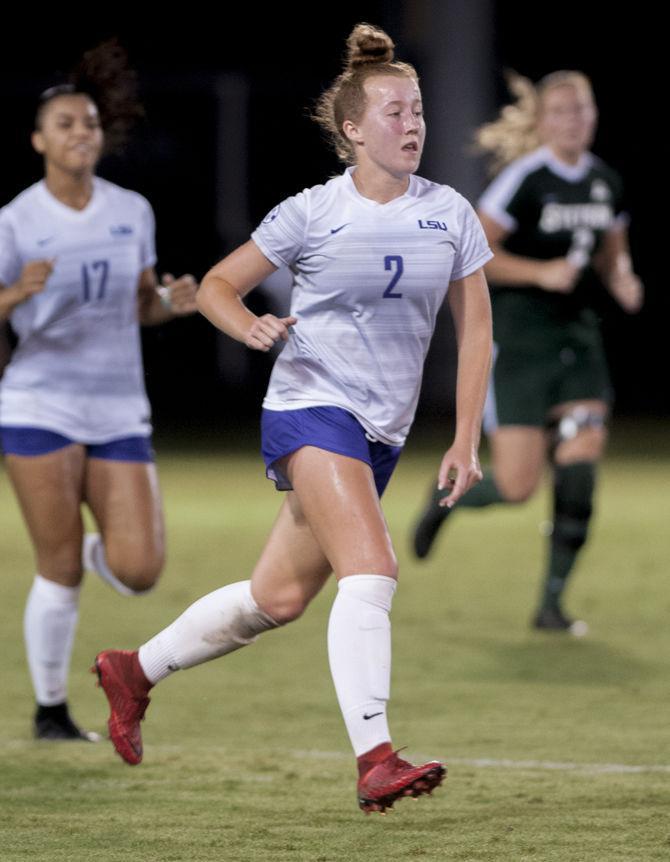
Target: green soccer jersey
551,210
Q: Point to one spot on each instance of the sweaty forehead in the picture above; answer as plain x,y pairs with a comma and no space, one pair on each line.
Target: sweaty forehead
381,89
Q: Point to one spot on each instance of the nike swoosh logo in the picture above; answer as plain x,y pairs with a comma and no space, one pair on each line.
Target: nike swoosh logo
367,717
338,229
45,240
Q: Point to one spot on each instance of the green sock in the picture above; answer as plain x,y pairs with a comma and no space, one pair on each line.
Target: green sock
573,496
484,493
433,516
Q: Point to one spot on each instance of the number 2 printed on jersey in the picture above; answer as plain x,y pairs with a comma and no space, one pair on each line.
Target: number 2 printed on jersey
391,262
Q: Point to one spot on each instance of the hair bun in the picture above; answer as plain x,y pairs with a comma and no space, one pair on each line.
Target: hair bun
368,44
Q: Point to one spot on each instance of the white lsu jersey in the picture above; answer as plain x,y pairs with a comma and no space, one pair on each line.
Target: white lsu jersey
369,279
77,368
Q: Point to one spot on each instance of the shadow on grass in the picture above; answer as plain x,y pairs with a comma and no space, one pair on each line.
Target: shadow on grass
554,659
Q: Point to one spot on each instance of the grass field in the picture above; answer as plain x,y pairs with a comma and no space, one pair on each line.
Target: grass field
558,749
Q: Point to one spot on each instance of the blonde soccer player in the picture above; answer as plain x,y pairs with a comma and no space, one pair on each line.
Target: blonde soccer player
554,215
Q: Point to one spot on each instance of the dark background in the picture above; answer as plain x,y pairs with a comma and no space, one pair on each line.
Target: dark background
212,166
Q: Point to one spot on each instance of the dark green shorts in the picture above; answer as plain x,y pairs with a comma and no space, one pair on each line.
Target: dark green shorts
527,381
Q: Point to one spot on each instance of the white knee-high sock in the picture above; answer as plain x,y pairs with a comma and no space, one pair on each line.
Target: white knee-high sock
49,625
215,625
359,650
93,559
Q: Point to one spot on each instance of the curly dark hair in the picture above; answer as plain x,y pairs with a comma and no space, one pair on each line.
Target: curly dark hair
104,75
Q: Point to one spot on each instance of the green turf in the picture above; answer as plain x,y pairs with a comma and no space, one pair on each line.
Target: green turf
247,758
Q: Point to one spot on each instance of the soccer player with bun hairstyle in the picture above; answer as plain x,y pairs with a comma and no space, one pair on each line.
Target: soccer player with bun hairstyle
76,278
373,252
553,215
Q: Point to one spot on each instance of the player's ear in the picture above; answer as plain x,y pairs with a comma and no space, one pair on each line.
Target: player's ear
37,140
352,132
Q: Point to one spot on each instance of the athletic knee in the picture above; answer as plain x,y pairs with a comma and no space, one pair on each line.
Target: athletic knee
390,570
588,445
139,582
518,495
385,564
580,434
516,489
139,575
516,482
284,607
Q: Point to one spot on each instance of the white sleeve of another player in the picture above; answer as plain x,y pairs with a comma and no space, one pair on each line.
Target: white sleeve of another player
148,236
282,234
473,249
497,196
10,261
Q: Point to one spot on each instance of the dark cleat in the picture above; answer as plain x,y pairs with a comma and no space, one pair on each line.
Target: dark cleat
554,620
55,723
428,525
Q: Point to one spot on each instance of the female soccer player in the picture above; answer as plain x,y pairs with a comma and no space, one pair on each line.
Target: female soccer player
76,277
553,213
373,252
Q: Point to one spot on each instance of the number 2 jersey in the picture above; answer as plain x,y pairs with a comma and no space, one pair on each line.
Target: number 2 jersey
77,368
369,279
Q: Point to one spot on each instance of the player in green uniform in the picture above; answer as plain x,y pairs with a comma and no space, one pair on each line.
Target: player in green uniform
553,215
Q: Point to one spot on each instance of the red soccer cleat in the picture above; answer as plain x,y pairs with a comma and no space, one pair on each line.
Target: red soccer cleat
121,678
393,778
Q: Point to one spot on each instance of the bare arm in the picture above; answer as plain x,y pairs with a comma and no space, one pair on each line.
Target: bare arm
160,303
557,275
471,310
615,267
221,295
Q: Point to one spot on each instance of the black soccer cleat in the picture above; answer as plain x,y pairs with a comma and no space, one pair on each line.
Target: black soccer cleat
554,620
54,723
428,525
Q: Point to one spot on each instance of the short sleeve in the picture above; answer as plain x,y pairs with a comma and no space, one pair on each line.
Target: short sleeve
281,234
473,249
10,260
147,236
501,201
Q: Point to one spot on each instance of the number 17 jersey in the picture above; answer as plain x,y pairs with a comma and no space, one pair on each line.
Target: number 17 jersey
77,368
369,280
